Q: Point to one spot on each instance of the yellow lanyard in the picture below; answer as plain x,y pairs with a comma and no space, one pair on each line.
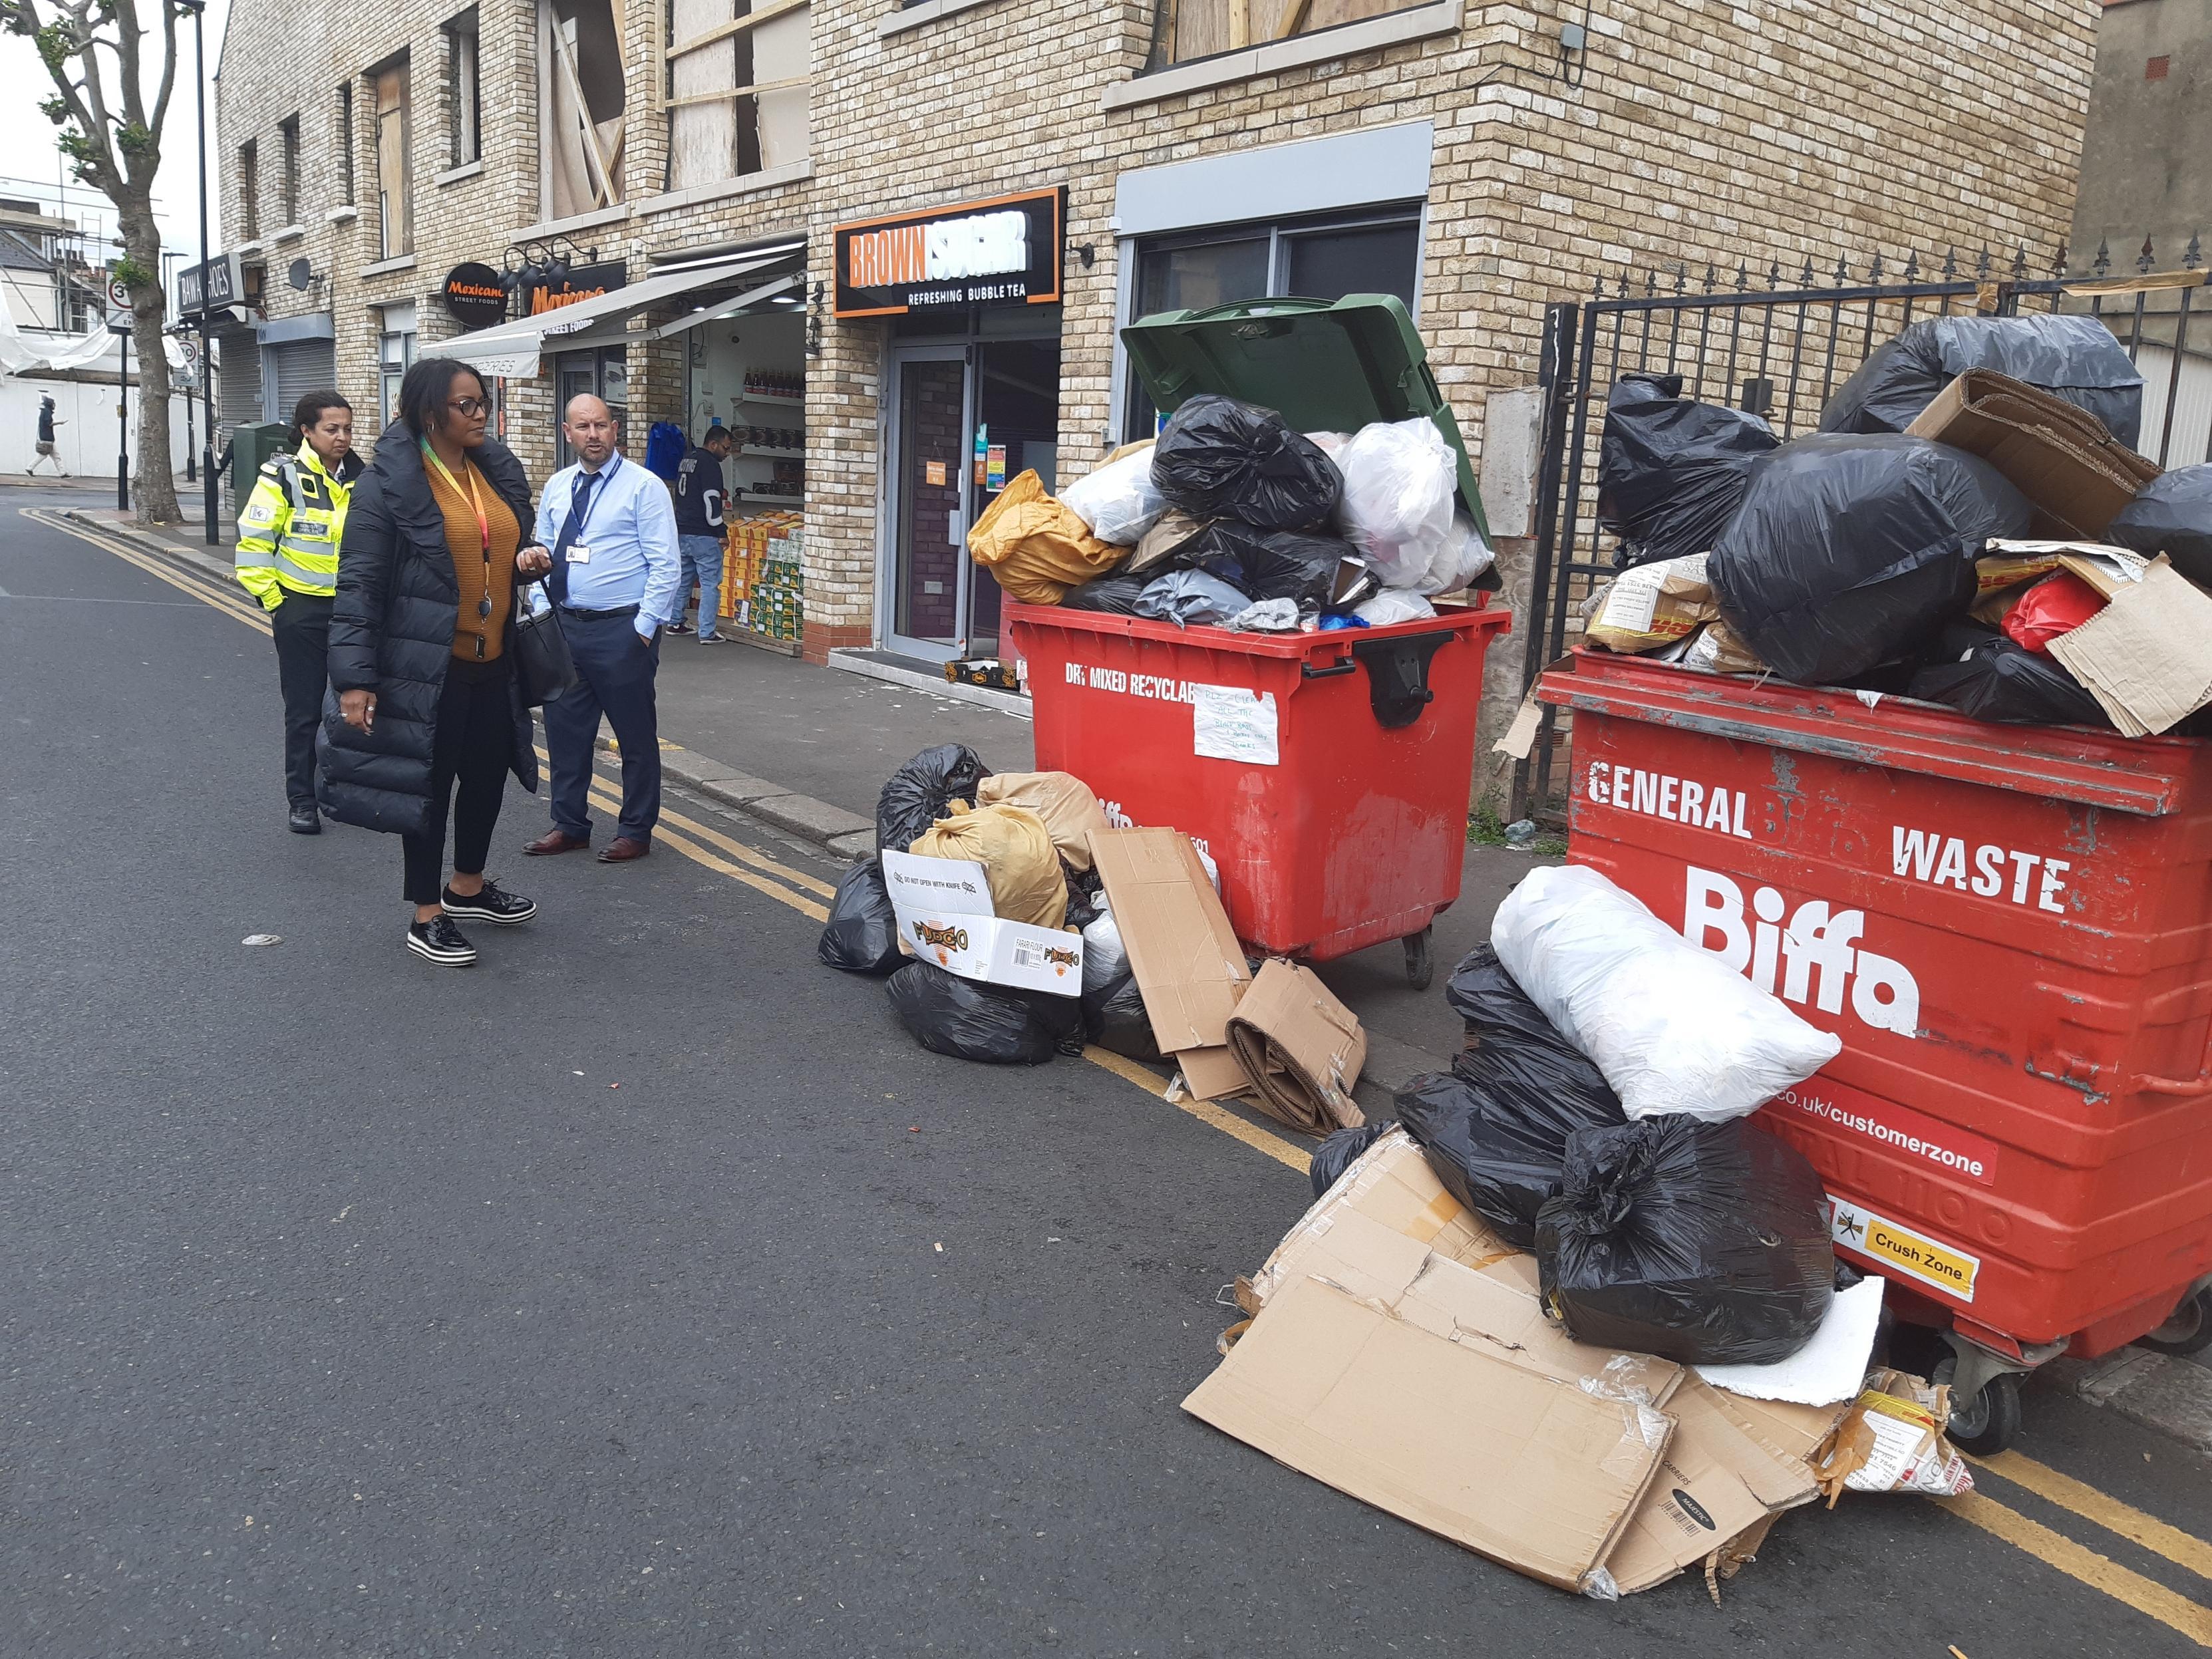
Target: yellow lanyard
467,491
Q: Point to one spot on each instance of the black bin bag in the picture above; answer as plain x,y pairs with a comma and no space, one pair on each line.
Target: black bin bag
994,1023
1705,1243
1114,1018
861,935
1221,459
2172,514
921,792
1116,595
1671,471
1337,1151
1848,552
2075,358
1985,675
1268,564
1495,1127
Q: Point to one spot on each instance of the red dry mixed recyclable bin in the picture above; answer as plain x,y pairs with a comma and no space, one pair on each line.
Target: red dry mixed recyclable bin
1326,774
2010,927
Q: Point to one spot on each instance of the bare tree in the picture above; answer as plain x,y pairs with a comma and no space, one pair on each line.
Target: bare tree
97,52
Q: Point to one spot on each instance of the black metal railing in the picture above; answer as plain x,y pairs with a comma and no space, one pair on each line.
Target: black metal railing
1781,352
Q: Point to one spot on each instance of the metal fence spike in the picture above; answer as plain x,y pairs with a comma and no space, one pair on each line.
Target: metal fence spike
2194,255
1912,265
1873,270
2143,259
1774,274
1710,274
1843,270
1805,278
2103,262
1950,264
1743,276
2019,262
1982,265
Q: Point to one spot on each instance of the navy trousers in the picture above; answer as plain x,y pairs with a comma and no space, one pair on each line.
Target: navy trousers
615,671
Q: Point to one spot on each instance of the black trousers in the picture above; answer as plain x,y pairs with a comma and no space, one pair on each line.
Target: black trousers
474,746
302,626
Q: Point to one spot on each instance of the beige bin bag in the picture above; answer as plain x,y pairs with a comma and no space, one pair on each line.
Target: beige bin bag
1063,800
1017,853
1035,547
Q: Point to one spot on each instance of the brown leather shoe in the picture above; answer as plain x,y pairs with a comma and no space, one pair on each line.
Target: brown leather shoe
554,841
623,848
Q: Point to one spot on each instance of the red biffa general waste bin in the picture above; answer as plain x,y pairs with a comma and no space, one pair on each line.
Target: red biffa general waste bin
1326,774
2010,928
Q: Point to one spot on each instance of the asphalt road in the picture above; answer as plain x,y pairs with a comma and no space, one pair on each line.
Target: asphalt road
645,1289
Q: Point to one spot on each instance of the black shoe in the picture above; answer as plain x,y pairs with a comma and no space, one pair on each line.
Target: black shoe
492,904
678,628
437,940
306,821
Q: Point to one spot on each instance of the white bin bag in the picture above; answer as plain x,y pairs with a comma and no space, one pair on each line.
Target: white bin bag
1398,477
1118,500
1673,1028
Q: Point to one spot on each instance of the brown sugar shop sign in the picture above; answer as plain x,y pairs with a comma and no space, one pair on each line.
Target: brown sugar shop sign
1003,251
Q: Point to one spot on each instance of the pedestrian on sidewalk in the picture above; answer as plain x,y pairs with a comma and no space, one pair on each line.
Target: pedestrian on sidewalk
288,559
701,491
422,659
612,530
47,451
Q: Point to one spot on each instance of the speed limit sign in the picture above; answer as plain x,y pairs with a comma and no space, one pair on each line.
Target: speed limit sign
117,295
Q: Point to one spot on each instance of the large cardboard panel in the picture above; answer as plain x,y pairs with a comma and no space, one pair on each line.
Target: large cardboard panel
2074,473
1517,1465
1181,948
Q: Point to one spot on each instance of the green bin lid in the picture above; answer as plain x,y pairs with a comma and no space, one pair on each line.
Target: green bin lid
1326,366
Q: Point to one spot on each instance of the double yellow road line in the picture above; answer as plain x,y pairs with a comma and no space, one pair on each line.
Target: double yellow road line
712,849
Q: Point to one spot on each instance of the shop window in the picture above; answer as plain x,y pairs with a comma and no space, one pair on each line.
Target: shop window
249,191
395,193
288,135
395,355
345,144
463,96
1190,29
583,118
1377,253
737,88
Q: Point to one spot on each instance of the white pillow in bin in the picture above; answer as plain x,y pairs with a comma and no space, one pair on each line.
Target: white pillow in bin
1675,1029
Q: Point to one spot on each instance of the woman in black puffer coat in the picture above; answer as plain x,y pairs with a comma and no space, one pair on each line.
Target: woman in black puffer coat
437,540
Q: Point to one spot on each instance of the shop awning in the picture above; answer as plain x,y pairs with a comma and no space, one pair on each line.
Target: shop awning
721,310
514,348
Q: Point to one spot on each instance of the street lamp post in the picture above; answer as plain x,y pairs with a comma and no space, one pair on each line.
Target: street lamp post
198,10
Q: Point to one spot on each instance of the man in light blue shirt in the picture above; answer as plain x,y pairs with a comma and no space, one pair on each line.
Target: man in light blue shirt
612,530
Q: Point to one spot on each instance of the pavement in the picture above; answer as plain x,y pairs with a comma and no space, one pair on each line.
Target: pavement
645,1289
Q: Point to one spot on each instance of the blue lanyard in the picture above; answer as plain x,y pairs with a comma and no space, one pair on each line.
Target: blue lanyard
599,490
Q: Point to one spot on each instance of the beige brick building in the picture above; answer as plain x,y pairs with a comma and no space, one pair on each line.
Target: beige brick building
696,157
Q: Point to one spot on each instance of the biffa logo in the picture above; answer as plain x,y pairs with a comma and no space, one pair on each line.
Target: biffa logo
1817,955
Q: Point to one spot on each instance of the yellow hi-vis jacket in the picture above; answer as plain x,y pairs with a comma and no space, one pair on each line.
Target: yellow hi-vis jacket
288,537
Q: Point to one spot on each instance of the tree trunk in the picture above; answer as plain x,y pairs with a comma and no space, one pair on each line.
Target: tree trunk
153,481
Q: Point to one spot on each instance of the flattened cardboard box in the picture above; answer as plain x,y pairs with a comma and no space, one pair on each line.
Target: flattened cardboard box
1387,1233
1297,1027
2075,474
1188,963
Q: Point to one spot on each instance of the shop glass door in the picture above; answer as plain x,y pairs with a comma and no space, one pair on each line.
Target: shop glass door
1017,430
929,499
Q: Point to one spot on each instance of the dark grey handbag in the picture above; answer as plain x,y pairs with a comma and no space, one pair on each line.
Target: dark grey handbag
544,668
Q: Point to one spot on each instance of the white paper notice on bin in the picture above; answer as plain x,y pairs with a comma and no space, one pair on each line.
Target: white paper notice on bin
1231,723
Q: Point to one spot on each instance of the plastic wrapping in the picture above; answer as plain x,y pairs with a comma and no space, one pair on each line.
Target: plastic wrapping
2172,514
1116,595
1114,1018
1671,471
2072,357
992,1023
1034,547
1674,1028
861,935
922,791
1018,858
2057,605
1119,501
1987,676
1269,564
1393,604
1222,459
1849,551
1462,559
1495,1129
1337,1151
1399,481
1705,1243
1267,617
1186,597
1104,957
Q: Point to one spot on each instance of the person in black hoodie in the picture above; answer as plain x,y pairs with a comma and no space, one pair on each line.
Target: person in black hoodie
436,542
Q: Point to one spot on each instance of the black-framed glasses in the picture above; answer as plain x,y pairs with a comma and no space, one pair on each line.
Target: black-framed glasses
468,407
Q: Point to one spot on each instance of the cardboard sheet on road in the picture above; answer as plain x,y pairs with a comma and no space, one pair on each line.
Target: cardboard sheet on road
1389,1239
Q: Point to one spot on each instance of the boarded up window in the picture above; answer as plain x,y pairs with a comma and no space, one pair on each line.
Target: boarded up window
582,119
395,192
249,191
1184,30
737,88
